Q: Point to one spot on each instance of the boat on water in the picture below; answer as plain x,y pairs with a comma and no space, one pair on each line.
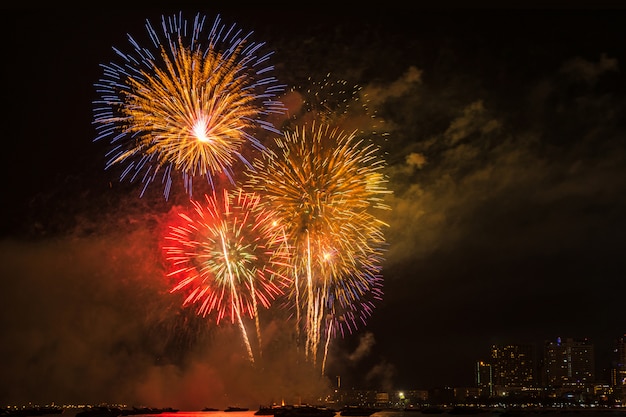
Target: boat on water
267,411
303,411
231,409
358,411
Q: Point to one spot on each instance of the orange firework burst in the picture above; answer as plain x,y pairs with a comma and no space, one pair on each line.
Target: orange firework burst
323,185
226,256
189,105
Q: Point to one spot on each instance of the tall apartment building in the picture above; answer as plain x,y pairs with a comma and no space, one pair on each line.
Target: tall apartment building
568,362
484,378
618,373
620,350
513,366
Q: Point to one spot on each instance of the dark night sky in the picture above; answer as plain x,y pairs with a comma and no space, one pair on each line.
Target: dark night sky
506,154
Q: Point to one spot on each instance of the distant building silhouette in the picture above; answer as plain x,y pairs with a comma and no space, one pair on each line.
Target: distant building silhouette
568,363
618,374
513,367
484,378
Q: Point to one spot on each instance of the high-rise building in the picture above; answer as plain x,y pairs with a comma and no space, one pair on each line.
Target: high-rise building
513,366
619,371
620,349
484,378
568,362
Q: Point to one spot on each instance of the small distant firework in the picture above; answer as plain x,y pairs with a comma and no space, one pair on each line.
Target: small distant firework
186,105
334,102
327,98
324,184
226,256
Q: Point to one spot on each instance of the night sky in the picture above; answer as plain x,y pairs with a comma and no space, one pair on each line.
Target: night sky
505,141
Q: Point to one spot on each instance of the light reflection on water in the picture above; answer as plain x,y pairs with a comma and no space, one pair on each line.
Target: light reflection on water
400,413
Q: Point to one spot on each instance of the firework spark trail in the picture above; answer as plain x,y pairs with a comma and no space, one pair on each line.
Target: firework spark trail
323,184
228,255
234,299
188,104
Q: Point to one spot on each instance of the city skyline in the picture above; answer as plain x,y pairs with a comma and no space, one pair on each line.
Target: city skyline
602,369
